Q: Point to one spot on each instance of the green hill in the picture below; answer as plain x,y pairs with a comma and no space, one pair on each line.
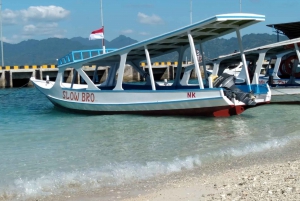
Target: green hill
35,52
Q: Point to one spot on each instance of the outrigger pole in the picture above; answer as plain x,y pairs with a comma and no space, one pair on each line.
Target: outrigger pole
103,45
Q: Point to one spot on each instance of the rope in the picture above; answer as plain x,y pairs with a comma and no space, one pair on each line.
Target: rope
2,95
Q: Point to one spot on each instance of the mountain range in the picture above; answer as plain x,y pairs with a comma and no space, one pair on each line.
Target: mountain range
37,52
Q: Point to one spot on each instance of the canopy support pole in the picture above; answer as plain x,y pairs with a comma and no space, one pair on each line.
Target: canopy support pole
203,61
136,66
95,74
121,72
295,66
150,68
179,66
238,33
112,72
74,77
216,67
277,65
259,63
85,77
297,51
193,51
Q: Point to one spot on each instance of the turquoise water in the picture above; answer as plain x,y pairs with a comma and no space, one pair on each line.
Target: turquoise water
44,150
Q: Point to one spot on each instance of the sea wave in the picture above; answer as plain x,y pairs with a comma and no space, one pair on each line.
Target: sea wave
115,174
110,175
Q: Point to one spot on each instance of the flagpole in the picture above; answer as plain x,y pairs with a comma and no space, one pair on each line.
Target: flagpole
191,18
2,59
191,11
240,6
103,45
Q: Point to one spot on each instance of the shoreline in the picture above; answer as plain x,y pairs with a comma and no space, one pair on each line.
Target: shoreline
280,181
272,174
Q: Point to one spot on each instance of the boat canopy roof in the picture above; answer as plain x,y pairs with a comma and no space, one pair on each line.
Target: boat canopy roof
201,31
272,49
291,29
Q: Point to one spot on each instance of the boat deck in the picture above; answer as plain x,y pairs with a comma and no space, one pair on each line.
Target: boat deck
148,87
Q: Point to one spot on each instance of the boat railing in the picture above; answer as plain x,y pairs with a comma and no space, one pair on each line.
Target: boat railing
80,55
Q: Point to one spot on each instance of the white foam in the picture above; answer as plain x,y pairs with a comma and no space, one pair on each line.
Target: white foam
115,174
249,148
110,175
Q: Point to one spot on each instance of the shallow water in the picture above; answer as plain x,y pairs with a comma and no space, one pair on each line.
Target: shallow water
44,150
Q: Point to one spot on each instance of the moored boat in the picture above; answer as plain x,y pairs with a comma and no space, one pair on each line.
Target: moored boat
282,72
114,96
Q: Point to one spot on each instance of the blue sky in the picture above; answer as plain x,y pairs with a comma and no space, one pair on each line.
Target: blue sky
40,19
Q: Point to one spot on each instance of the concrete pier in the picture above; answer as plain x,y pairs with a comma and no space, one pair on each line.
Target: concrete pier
17,76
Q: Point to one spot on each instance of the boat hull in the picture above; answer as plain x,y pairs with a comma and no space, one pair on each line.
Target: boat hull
285,95
281,81
283,92
216,111
189,102
192,102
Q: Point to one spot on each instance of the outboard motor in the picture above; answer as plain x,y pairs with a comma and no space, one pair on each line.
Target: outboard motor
227,82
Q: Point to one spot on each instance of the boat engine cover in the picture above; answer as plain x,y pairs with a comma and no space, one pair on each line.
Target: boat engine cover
227,82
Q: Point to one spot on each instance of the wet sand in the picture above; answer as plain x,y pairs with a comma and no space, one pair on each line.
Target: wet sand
273,175
278,181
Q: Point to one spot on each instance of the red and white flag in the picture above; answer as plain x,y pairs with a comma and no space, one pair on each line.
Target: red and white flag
97,34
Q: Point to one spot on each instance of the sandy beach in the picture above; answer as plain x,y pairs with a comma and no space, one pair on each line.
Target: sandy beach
277,181
271,175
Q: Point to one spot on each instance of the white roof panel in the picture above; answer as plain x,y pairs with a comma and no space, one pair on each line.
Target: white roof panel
205,30
273,49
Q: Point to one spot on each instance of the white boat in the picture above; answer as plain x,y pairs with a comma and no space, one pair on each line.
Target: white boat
282,71
113,96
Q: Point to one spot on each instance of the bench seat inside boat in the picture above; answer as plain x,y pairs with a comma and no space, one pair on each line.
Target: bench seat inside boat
147,87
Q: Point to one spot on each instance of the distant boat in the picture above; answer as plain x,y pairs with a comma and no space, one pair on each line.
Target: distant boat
113,96
281,72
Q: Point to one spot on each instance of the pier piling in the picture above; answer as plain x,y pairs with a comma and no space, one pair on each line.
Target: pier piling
8,79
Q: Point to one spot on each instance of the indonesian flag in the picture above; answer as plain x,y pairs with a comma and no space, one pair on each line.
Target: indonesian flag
97,34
